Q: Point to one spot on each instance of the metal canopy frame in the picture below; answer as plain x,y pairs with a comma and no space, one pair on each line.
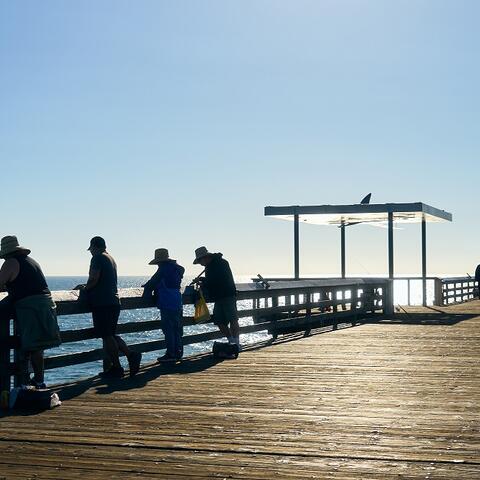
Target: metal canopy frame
348,215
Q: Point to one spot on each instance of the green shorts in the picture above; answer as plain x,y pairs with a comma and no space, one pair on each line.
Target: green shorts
225,310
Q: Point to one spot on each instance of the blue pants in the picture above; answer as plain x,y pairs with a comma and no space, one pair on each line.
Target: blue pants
172,328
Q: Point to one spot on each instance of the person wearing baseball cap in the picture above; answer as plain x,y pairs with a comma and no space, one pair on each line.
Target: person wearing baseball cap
103,299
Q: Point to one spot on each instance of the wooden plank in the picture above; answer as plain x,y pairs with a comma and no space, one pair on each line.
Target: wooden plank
105,462
399,398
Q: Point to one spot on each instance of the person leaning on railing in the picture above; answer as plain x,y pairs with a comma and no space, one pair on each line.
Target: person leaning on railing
220,288
477,279
164,286
102,297
30,302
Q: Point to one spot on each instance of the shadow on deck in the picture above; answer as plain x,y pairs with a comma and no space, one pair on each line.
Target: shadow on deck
392,398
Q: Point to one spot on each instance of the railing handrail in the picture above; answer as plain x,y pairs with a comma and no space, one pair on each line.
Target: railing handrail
457,279
376,277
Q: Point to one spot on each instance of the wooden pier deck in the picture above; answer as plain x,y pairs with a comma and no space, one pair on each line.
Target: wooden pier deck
395,399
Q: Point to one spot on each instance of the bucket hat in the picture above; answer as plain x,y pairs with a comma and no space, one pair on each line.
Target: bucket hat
161,255
97,242
9,244
201,252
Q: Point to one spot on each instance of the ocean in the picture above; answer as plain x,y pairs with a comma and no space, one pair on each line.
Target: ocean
71,322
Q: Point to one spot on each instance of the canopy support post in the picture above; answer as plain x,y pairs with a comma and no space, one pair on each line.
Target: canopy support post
390,245
342,247
424,261
296,247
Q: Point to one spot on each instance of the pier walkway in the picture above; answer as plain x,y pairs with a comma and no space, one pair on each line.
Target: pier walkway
398,398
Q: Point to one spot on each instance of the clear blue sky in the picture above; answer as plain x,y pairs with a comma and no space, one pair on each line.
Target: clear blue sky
173,123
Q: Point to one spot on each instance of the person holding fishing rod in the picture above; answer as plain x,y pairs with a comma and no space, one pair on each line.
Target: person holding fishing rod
220,288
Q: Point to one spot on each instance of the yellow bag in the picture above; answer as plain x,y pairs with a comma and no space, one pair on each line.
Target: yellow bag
202,314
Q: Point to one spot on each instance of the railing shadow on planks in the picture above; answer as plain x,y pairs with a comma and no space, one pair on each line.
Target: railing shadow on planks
283,307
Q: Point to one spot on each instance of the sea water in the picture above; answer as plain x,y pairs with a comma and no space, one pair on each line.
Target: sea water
73,322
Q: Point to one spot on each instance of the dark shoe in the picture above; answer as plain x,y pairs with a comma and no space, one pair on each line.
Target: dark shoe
134,362
166,359
37,385
114,372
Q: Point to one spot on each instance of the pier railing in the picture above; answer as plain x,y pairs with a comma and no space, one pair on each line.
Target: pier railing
284,307
457,290
440,291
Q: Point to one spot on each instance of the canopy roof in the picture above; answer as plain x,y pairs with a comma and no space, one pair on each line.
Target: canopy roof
360,213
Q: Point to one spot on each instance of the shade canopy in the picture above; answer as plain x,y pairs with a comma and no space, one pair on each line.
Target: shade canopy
370,213
360,213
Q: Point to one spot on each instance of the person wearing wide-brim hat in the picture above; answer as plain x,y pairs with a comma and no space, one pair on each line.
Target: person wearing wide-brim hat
30,301
164,289
220,288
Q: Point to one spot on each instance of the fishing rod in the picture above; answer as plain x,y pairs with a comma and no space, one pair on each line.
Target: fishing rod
196,279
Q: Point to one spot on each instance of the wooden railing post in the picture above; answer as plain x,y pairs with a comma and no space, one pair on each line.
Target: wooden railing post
353,304
438,293
388,297
5,380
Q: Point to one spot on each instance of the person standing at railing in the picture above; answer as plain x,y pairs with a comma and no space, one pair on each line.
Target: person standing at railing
103,299
164,286
477,279
29,300
220,288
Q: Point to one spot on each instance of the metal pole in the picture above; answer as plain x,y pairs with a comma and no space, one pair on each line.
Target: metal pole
390,245
342,247
296,248
424,262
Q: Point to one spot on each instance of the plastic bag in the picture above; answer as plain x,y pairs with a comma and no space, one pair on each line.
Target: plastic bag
202,314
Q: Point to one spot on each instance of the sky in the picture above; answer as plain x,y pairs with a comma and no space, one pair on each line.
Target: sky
174,123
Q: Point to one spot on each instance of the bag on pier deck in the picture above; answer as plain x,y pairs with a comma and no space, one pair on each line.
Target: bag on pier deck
225,350
31,399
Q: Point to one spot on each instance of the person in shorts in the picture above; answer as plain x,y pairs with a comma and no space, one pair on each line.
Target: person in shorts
220,288
30,303
102,294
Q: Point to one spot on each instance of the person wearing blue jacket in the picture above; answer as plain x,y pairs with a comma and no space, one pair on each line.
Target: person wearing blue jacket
164,286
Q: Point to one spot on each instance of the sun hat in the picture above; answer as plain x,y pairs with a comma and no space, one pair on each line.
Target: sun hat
201,252
97,242
9,244
161,255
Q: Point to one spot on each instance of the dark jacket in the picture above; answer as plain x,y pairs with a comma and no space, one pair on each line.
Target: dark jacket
477,273
218,282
